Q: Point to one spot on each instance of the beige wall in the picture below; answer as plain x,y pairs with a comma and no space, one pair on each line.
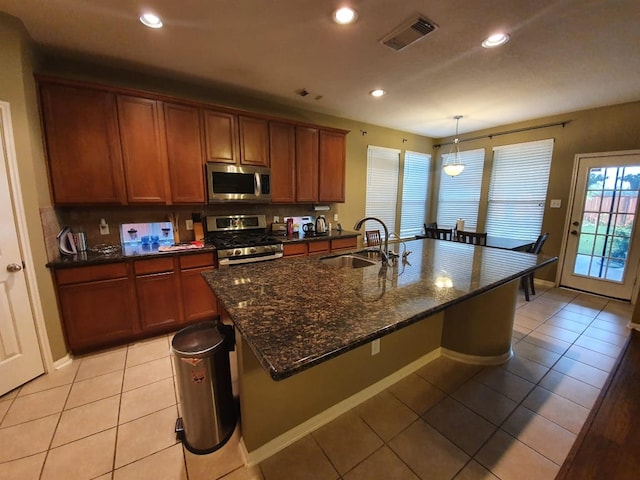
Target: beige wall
604,129
18,89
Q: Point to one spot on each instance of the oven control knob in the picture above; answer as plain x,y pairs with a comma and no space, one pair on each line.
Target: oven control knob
237,252
252,250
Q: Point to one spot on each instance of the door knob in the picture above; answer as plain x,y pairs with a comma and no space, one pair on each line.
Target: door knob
575,224
573,232
14,267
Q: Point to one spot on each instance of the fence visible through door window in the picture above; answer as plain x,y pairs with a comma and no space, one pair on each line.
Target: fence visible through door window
607,222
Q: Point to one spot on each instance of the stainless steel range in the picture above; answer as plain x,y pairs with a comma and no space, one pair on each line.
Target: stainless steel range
241,239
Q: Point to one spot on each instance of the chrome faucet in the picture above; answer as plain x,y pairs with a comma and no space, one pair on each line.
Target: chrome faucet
383,253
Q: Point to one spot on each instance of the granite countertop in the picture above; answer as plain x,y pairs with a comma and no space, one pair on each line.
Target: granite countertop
305,237
118,253
296,313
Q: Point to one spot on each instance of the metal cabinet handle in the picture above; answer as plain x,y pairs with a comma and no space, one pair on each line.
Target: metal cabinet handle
14,267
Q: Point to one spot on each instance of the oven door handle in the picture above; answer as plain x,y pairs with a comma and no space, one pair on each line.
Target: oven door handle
257,184
227,261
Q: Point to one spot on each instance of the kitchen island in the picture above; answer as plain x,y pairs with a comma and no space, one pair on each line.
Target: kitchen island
305,328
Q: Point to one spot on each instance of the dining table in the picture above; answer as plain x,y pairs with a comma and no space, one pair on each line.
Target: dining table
505,243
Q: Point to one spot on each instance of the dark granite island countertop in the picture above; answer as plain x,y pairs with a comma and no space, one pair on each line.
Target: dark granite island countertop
297,313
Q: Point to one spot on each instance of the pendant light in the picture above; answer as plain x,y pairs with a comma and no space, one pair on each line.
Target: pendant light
454,166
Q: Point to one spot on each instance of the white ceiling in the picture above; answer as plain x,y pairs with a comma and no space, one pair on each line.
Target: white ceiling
564,55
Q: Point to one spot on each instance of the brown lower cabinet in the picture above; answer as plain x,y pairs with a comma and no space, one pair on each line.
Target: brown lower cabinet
314,247
115,303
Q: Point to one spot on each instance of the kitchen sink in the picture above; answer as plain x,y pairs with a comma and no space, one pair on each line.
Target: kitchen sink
349,261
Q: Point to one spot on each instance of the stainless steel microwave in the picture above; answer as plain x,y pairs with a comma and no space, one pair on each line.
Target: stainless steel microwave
232,183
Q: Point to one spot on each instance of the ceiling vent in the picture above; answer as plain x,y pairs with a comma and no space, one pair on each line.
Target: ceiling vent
409,33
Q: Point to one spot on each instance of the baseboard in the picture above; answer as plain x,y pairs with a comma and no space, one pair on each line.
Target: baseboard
63,362
477,359
282,441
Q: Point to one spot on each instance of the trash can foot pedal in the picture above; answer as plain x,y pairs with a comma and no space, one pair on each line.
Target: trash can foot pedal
180,430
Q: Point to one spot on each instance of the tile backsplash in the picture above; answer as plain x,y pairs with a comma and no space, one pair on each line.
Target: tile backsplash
87,219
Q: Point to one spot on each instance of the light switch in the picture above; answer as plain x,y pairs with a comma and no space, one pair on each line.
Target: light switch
555,203
335,217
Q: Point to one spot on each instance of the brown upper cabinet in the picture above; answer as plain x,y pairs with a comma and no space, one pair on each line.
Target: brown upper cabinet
282,146
184,153
254,141
143,149
83,145
306,164
220,136
109,145
332,163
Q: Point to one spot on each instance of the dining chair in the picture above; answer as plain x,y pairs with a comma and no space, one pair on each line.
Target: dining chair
438,233
526,282
430,225
373,237
471,237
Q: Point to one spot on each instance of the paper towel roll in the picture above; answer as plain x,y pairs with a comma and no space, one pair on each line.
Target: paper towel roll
460,224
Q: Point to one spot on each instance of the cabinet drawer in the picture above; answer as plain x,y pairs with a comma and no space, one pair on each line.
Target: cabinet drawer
67,276
196,260
154,265
319,246
295,249
342,243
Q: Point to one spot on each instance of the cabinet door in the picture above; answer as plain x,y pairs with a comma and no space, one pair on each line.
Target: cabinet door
254,141
282,145
200,303
343,243
143,149
159,300
295,249
184,153
97,313
220,136
83,145
331,171
306,164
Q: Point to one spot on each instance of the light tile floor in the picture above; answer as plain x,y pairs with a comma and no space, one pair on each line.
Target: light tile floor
111,415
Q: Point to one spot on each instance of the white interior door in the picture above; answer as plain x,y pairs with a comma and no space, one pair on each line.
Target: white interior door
603,244
20,357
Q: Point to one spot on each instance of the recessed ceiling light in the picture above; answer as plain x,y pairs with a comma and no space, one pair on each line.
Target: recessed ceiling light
496,40
344,15
377,92
150,20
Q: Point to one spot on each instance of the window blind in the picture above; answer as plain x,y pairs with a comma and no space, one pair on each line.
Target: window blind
518,189
382,186
459,197
414,193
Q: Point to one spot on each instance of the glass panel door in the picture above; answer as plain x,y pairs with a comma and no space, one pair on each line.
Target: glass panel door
599,256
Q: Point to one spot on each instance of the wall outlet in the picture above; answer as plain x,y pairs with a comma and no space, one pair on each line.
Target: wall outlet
375,347
555,203
188,224
335,217
276,219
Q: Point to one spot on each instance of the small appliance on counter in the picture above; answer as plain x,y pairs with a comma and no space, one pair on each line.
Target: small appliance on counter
278,228
321,225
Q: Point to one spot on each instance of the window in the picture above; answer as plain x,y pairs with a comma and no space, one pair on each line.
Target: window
459,197
414,193
518,189
382,185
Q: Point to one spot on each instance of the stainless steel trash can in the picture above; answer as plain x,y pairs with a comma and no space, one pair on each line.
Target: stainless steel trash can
201,359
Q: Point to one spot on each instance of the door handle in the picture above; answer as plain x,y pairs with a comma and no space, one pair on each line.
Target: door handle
573,232
575,224
14,267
